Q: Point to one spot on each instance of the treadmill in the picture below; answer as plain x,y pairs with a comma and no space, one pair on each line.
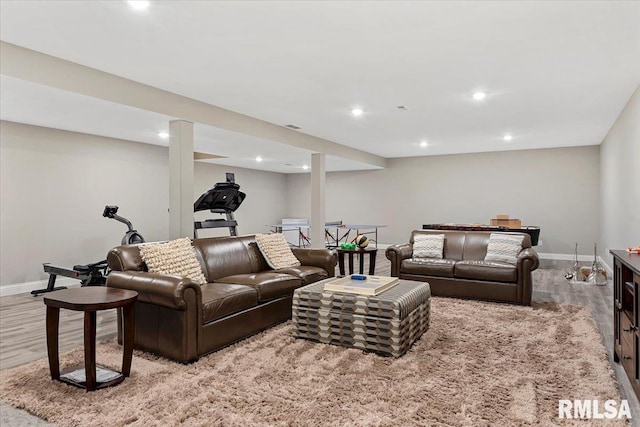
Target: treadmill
224,198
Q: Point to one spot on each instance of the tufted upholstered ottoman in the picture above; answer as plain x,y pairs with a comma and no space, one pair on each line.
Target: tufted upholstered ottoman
388,323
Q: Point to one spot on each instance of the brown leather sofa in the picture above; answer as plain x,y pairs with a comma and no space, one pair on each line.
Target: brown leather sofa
463,272
181,320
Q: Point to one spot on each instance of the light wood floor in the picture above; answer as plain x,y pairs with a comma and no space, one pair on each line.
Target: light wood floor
550,285
22,321
23,334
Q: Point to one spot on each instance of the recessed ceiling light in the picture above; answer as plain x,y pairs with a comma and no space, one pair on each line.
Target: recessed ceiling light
258,159
305,167
424,144
357,112
508,137
163,135
138,4
479,96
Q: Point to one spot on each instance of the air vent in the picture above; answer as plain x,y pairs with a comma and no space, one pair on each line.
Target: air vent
294,127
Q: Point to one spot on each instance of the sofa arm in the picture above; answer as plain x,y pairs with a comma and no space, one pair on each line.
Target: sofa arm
528,259
323,258
526,263
395,254
158,289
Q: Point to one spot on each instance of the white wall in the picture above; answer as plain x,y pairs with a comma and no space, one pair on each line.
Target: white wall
620,181
54,186
556,189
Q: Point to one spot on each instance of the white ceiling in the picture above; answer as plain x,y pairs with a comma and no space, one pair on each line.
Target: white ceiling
39,105
556,73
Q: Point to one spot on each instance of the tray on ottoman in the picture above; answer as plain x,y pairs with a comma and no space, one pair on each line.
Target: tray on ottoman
388,323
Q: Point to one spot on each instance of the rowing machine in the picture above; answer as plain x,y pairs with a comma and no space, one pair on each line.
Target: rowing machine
94,274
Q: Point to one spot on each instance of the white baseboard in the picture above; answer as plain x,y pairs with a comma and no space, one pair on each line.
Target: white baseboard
608,269
26,287
564,257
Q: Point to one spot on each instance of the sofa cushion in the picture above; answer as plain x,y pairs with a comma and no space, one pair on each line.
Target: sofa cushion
269,284
428,245
453,243
276,250
486,270
428,266
504,247
222,299
308,274
177,257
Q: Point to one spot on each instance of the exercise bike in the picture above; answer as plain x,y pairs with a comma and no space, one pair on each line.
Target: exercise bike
94,274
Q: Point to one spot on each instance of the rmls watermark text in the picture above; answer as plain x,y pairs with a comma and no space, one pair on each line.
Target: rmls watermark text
593,409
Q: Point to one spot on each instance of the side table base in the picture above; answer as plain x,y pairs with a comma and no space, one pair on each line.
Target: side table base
105,377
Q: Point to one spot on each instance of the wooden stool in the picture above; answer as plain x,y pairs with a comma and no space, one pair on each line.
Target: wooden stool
372,259
90,300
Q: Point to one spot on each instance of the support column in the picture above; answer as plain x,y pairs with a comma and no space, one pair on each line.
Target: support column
317,200
180,179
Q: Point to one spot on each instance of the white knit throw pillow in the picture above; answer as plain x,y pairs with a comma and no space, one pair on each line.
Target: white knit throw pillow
504,247
428,245
276,251
176,258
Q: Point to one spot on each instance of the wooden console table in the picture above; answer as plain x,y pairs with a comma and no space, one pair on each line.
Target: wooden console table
532,231
626,281
90,300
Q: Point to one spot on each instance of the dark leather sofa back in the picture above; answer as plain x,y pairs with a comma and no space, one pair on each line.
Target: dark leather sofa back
218,256
126,258
226,256
465,245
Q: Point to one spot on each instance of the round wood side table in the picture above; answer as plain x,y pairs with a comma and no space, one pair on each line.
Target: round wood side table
89,300
361,253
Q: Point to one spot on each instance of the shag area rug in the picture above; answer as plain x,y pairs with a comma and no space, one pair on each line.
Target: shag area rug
480,364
